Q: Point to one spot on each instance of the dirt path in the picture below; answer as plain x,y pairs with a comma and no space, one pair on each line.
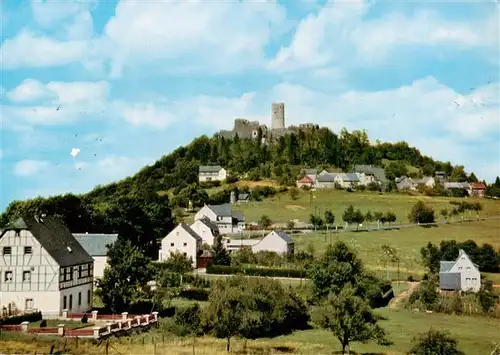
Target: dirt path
404,295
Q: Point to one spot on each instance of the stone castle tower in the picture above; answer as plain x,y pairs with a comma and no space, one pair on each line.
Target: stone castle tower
278,116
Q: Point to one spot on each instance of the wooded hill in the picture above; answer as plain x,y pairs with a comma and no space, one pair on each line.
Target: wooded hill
134,208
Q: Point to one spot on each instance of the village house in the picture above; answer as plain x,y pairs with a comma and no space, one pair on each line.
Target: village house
459,275
206,229
96,245
405,183
456,186
43,267
369,174
277,241
477,189
310,173
427,181
227,220
305,182
347,180
184,240
211,173
325,181
239,198
441,176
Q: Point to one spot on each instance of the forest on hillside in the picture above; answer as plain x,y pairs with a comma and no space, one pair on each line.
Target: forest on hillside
139,207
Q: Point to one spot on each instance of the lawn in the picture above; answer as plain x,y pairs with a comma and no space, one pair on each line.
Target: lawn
282,208
70,324
475,335
407,242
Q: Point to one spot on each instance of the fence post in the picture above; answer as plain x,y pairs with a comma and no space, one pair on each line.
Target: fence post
124,315
65,313
155,315
96,332
108,326
24,326
94,315
147,318
129,323
60,329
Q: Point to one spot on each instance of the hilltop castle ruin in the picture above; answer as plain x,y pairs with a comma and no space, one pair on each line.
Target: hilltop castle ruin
246,129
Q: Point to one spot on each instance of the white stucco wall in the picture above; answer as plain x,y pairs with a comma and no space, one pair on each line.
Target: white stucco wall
204,232
216,176
86,302
178,240
271,242
470,276
100,263
205,212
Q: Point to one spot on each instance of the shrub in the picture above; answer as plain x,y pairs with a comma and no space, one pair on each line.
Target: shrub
231,179
43,324
85,319
29,317
230,270
194,294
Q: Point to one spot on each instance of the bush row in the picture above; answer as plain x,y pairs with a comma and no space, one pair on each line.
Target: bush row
229,270
195,294
29,317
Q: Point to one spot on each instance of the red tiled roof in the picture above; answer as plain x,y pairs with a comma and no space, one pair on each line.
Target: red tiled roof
477,186
306,180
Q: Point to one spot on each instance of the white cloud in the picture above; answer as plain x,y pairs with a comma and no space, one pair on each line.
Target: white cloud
339,34
147,114
81,28
28,49
50,12
26,168
28,91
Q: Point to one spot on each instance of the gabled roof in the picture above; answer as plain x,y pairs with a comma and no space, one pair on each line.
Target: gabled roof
446,266
284,236
206,221
306,180
243,196
325,178
209,168
224,210
349,177
379,173
456,185
55,238
191,232
96,244
239,216
477,186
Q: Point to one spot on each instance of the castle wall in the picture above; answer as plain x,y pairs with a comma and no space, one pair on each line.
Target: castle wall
278,116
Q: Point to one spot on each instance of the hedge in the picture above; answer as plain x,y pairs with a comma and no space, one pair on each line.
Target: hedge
253,271
15,320
195,294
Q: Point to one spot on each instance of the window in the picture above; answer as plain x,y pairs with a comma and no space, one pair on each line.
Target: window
185,244
28,304
8,276
171,244
65,302
70,302
84,271
177,233
79,298
185,254
7,250
468,268
27,250
68,274
26,276
89,296
459,268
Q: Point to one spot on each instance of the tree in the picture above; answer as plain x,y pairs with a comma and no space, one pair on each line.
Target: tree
178,263
369,216
431,256
220,256
316,221
444,213
294,193
189,321
329,218
349,318
349,215
390,254
265,222
290,225
390,217
421,213
434,342
125,278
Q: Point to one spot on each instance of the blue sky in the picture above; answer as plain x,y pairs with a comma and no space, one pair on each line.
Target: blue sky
127,82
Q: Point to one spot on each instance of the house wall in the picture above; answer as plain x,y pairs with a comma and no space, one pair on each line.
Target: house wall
205,212
470,277
271,242
325,185
100,263
204,232
46,283
213,176
181,241
72,298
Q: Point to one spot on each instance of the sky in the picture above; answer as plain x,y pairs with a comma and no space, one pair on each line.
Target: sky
93,91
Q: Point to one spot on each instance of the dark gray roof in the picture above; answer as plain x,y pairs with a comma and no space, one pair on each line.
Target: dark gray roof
284,236
209,168
239,216
96,244
326,178
56,239
243,196
224,210
379,173
190,231
206,221
445,266
350,177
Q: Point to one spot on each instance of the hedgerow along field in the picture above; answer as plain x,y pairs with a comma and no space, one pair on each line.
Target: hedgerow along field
282,208
475,335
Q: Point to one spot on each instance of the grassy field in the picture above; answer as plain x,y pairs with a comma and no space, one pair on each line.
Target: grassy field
70,324
475,335
407,242
282,208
